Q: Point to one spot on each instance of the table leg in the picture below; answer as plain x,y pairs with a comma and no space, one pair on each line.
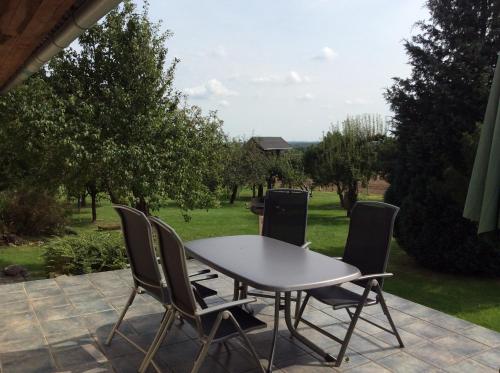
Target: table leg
236,292
300,337
277,300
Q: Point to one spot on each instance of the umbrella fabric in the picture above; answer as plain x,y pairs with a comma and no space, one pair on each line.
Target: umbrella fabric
483,197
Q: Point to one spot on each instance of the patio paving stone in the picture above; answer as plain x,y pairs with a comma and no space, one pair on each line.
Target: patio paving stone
60,325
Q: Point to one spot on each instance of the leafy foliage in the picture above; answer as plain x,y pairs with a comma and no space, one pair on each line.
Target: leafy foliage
436,111
32,212
90,252
347,156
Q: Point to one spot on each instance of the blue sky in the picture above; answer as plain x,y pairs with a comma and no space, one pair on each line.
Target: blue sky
288,67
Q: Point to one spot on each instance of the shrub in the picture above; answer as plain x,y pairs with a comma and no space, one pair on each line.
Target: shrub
89,252
32,212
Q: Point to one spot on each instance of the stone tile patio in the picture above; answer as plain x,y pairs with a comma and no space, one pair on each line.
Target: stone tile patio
59,325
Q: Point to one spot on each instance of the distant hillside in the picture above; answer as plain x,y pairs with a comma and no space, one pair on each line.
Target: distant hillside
302,144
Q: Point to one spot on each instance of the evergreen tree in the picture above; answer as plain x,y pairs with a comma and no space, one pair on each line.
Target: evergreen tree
436,110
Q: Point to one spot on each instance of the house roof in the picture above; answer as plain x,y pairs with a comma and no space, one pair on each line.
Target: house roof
31,32
271,143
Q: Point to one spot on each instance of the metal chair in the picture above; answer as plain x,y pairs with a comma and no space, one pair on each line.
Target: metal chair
213,324
367,248
143,263
285,219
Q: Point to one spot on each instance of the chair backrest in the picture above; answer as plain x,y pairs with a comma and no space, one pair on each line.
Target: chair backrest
140,250
369,238
285,215
173,261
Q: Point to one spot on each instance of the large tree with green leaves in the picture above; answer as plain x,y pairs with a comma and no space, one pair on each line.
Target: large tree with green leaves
347,156
133,138
436,110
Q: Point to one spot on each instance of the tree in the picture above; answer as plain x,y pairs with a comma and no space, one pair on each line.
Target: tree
347,156
436,110
133,139
33,141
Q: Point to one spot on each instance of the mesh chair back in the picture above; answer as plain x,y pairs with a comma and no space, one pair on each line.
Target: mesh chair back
173,260
369,238
285,215
140,251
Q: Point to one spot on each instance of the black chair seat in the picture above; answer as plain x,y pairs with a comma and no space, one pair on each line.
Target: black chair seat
247,323
204,291
338,297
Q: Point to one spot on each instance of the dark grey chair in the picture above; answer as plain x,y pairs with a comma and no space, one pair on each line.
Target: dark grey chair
367,248
143,263
285,219
213,324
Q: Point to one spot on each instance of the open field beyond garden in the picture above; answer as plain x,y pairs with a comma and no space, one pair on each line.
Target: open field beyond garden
471,298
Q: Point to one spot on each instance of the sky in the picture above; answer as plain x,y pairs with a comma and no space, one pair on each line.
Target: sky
288,68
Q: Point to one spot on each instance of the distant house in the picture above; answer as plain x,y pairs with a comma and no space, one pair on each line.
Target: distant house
271,144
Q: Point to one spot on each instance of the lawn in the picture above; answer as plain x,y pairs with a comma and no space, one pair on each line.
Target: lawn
470,298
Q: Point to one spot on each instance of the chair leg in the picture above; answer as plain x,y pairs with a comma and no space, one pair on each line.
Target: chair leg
122,315
236,290
297,303
206,344
247,342
157,341
301,311
388,315
354,320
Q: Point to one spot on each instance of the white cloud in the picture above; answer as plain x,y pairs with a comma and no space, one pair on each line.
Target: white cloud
292,77
356,101
219,51
306,97
212,88
224,103
326,54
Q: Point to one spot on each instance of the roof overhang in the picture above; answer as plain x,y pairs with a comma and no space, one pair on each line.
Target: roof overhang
33,31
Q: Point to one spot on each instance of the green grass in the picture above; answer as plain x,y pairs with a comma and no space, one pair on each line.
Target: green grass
471,298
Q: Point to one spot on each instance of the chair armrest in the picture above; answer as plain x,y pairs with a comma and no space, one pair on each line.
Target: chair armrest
374,276
204,278
197,273
306,245
224,306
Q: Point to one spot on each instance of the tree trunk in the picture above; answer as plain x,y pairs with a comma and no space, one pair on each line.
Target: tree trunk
83,200
142,205
92,190
340,193
234,193
253,191
260,192
351,196
113,198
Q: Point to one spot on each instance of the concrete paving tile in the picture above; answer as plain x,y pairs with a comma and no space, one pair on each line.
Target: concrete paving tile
490,358
461,345
45,292
71,281
40,284
56,313
370,346
483,335
305,363
409,339
92,306
369,368
426,330
434,353
12,321
449,322
15,307
79,289
44,303
399,318
14,296
24,331
27,361
70,339
33,343
84,354
403,362
469,365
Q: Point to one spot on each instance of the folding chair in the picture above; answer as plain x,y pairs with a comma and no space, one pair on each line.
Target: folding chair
367,248
213,324
285,219
144,266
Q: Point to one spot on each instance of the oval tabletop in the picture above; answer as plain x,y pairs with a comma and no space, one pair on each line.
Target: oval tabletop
269,264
